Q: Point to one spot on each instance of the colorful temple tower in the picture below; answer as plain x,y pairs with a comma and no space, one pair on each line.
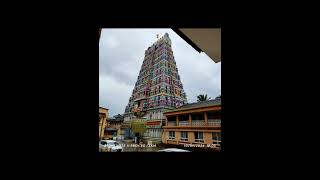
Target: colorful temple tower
158,88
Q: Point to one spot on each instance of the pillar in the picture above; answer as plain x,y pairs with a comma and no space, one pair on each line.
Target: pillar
177,120
166,120
190,120
206,118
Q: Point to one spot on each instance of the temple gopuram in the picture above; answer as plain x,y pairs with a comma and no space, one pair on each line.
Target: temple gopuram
158,89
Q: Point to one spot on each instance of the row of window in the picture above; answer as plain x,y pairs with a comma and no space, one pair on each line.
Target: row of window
156,115
198,136
153,133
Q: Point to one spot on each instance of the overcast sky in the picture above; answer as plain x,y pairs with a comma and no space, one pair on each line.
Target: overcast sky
121,53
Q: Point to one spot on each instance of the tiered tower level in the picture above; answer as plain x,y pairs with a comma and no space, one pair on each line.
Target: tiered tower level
159,86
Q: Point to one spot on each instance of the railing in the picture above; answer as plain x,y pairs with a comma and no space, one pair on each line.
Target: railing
184,123
172,123
211,122
198,123
214,122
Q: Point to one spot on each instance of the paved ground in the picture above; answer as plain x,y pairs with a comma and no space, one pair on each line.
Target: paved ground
130,146
142,147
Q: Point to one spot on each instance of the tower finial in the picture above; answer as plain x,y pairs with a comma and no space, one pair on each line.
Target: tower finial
157,36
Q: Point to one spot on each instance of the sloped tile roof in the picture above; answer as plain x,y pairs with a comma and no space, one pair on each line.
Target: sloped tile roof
214,102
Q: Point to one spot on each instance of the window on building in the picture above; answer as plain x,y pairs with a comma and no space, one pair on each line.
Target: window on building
214,115
183,117
172,135
198,136
198,116
216,137
171,118
184,136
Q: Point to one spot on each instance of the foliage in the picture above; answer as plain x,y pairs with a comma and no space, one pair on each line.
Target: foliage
138,127
203,97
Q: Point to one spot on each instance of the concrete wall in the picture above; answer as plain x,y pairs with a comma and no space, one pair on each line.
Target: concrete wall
117,126
207,137
103,121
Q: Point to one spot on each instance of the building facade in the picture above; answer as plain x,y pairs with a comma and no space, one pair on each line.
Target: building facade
114,128
195,123
103,121
126,130
158,88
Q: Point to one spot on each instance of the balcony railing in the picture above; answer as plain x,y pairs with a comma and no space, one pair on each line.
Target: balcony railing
183,123
198,123
214,122
211,122
172,123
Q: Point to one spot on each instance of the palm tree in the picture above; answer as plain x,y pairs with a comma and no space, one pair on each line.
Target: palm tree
203,97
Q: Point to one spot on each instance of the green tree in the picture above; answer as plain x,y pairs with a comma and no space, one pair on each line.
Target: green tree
203,97
138,127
